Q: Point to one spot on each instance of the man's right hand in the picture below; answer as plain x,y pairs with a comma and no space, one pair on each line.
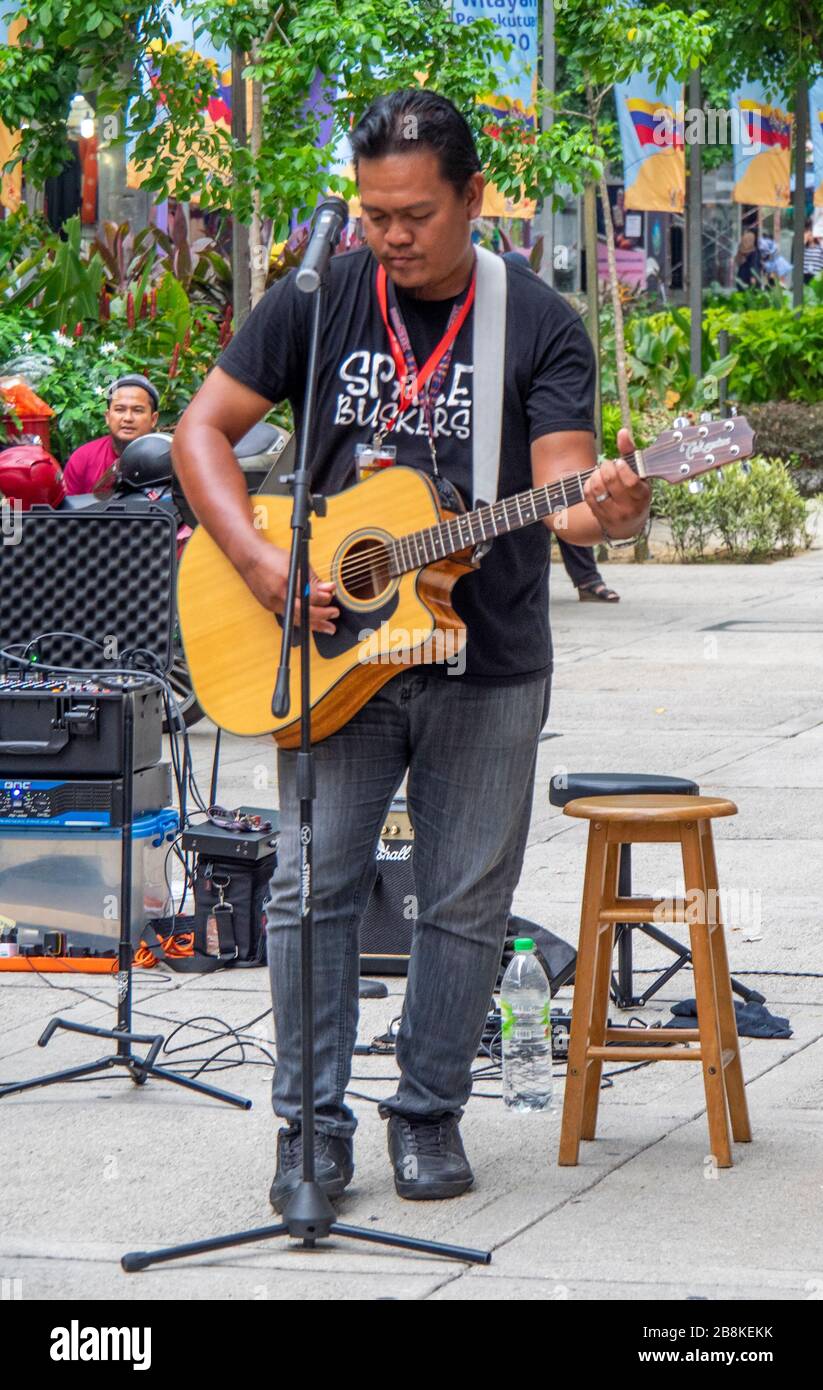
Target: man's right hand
266,572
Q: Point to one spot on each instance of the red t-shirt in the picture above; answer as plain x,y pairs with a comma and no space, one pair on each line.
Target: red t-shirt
87,465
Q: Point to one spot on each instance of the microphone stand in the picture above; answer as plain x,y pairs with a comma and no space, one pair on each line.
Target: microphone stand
309,1215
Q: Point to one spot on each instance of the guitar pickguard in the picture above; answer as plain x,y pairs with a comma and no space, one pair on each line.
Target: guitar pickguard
349,628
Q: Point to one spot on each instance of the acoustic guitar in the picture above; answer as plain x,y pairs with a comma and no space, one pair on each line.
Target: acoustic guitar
394,554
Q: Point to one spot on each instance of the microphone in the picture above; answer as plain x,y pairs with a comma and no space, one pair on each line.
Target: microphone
330,219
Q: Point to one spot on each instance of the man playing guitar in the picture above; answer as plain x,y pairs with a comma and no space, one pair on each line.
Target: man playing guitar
400,311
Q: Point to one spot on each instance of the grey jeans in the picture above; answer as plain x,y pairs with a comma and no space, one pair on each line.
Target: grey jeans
470,751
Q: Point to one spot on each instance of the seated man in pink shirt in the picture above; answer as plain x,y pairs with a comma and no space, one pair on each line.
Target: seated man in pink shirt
132,411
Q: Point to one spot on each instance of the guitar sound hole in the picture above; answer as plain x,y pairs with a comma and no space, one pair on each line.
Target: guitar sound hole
364,571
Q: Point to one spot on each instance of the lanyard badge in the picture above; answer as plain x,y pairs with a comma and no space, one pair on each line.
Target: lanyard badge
426,383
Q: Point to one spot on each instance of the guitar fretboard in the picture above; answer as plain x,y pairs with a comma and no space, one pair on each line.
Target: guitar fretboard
484,523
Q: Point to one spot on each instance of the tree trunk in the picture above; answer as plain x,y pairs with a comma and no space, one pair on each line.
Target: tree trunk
258,250
694,228
593,316
801,125
614,290
241,283
544,218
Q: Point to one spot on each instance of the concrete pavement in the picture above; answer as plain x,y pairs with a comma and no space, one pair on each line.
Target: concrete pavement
712,672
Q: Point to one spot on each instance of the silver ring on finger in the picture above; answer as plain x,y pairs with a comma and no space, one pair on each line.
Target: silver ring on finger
602,497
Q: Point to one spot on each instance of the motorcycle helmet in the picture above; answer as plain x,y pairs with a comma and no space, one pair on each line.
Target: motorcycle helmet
29,475
145,463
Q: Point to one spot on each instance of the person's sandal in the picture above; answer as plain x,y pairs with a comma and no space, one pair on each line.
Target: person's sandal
597,593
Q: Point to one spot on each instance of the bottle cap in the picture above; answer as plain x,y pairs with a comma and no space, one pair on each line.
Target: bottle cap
523,943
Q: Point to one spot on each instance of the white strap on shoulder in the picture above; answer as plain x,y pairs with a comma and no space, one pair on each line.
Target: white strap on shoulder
488,355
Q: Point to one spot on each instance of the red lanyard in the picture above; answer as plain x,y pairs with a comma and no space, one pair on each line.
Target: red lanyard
411,379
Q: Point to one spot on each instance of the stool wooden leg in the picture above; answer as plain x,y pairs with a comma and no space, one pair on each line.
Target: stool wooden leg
706,994
583,995
600,1006
735,1083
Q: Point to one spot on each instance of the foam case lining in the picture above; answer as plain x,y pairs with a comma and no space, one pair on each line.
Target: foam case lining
106,572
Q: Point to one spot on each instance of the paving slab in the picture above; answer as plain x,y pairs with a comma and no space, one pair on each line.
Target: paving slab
709,672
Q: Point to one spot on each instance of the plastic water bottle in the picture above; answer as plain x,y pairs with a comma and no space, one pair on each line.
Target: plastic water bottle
525,1000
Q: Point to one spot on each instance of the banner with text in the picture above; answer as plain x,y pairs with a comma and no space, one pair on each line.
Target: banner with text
515,90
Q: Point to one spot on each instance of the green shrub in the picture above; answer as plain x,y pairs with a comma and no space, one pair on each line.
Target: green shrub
72,373
755,511
779,355
775,354
646,426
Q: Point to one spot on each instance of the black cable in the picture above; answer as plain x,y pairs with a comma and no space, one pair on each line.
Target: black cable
239,1035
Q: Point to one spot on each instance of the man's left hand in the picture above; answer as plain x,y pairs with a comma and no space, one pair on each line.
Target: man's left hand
624,507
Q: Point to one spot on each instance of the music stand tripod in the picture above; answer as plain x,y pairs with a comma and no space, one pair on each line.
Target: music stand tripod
309,1215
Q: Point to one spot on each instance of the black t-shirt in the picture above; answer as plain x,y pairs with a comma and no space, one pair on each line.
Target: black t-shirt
549,385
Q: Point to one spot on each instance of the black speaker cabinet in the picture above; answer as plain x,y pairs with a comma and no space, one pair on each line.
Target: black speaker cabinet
388,921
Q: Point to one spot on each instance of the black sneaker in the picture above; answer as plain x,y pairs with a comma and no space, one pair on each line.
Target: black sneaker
333,1159
429,1159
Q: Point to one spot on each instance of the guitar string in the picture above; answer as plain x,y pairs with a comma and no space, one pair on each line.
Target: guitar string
502,510
506,510
555,492
369,559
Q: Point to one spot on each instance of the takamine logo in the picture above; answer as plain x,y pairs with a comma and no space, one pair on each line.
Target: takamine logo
402,852
76,1343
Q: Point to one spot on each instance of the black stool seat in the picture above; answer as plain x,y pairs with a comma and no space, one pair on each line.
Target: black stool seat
569,786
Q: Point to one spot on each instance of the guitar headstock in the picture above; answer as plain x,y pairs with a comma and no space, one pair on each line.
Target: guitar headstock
686,451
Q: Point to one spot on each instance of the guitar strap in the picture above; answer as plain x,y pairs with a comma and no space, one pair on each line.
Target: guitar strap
488,356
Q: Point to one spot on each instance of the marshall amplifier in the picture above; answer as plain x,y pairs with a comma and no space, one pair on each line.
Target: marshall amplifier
388,921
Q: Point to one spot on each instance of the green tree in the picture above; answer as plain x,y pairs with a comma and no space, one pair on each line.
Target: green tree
358,48
602,45
781,43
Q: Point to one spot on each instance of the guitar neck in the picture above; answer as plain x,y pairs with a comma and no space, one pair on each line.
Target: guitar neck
468,529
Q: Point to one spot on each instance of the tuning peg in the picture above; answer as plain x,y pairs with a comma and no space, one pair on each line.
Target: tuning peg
681,422
696,485
733,410
745,469
705,417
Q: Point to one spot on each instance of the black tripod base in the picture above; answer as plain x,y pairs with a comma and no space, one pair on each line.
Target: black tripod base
622,990
138,1070
309,1218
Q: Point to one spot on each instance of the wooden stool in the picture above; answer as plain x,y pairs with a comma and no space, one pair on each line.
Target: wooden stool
683,820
